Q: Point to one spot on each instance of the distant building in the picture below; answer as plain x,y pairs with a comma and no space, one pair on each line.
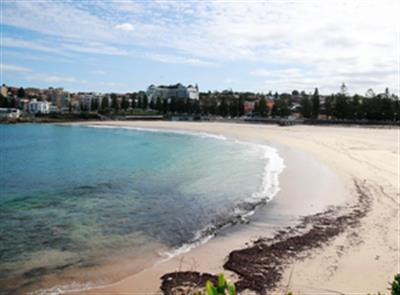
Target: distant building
170,91
23,104
9,113
249,106
4,90
59,97
38,107
270,103
87,100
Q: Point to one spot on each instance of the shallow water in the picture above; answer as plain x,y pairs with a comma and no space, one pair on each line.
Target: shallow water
76,197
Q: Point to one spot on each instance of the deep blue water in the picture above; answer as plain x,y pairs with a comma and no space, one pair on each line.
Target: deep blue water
73,195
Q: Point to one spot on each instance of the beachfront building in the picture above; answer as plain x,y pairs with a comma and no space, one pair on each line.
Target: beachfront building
88,100
59,98
38,107
9,113
249,107
4,90
178,91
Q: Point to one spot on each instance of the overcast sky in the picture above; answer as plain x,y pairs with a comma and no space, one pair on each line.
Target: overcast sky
244,45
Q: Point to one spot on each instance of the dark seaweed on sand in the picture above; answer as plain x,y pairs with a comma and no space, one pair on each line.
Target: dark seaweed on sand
261,266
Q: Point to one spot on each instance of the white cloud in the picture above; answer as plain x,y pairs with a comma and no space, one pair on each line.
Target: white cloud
169,58
51,78
94,47
13,68
125,27
328,41
25,44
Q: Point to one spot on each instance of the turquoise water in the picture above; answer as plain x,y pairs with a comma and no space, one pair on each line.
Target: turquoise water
76,196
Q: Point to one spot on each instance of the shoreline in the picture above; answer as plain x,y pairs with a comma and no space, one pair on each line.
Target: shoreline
144,281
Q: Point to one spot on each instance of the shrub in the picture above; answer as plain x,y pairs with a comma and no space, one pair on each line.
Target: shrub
221,288
395,285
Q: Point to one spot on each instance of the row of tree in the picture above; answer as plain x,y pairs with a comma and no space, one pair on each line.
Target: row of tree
356,107
336,106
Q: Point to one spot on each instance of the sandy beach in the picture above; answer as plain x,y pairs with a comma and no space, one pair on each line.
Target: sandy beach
325,166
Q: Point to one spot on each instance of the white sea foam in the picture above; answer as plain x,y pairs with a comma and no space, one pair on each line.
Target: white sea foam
67,288
162,130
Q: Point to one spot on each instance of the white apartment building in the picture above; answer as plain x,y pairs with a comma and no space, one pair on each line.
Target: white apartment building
38,107
87,98
170,91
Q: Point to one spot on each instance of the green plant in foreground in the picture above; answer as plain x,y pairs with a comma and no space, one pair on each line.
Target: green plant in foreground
395,285
221,288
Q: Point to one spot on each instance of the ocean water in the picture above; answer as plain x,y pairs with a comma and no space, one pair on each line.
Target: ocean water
76,198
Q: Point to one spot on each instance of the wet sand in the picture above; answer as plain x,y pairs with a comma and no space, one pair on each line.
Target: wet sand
322,165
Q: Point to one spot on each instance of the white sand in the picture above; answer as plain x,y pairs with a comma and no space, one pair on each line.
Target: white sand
354,263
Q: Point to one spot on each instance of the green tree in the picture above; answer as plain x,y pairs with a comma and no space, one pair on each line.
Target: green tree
262,108
94,105
3,101
395,285
165,106
223,108
13,103
256,109
188,106
396,109
213,106
305,106
196,107
114,102
315,104
152,105
124,103
387,107
373,108
21,92
104,104
283,106
274,110
234,108
173,105
355,108
329,106
343,89
180,105
341,106
241,105
159,104
144,101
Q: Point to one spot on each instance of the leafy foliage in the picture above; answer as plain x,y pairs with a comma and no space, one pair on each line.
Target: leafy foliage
395,285
222,287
